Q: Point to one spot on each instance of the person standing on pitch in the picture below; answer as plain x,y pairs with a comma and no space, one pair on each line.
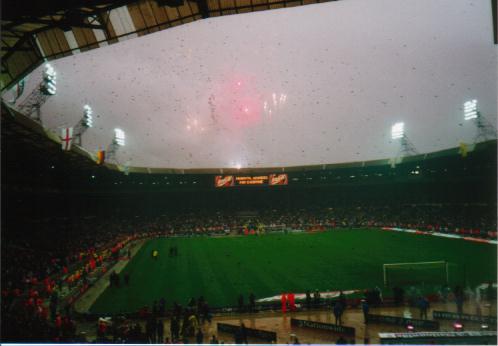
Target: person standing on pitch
175,329
338,312
316,299
199,337
160,331
241,303
252,302
423,305
284,303
365,308
243,333
342,300
292,301
308,299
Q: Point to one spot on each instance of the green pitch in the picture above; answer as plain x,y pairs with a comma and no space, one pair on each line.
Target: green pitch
222,268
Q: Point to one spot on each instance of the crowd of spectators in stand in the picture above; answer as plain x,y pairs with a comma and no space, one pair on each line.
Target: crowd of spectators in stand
38,262
185,326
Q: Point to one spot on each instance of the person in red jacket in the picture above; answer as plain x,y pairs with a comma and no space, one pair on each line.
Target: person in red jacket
284,303
292,301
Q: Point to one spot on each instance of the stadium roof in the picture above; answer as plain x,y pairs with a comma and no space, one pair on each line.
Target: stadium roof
252,91
33,31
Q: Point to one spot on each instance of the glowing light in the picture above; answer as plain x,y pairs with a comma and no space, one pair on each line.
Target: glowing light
246,110
188,127
470,110
239,83
457,326
119,137
238,166
398,130
49,80
87,116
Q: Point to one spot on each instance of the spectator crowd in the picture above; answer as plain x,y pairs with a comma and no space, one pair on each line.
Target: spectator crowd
44,259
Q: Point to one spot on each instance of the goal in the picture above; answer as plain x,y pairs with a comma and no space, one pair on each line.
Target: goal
436,272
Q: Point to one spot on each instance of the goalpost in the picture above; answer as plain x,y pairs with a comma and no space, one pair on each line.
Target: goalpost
436,272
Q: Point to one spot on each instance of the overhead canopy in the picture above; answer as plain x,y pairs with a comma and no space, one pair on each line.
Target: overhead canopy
34,30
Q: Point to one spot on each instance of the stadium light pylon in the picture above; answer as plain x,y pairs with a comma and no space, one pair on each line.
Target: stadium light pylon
407,147
117,142
485,130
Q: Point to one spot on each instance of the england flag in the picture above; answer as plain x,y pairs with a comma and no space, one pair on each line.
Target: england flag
67,138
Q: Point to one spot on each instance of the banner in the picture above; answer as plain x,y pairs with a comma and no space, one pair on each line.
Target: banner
440,338
335,328
278,179
446,315
249,180
224,181
255,333
401,321
67,138
438,234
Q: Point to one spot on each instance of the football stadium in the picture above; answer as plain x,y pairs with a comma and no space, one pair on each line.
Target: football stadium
249,172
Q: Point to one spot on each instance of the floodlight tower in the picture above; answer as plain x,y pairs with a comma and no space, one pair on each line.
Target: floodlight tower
39,95
485,130
84,124
407,147
117,142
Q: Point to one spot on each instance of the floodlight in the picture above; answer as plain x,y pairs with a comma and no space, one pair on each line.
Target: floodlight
49,80
470,110
119,137
398,130
87,116
485,129
407,147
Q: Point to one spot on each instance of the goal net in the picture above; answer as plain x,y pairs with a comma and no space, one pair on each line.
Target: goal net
416,273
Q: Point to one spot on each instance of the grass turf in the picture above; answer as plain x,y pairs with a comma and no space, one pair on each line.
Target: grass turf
222,268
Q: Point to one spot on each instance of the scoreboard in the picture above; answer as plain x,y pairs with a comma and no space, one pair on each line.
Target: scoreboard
247,180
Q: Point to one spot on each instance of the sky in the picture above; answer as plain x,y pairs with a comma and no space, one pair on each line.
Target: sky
315,84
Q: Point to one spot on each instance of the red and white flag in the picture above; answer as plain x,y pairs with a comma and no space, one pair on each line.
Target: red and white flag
67,138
